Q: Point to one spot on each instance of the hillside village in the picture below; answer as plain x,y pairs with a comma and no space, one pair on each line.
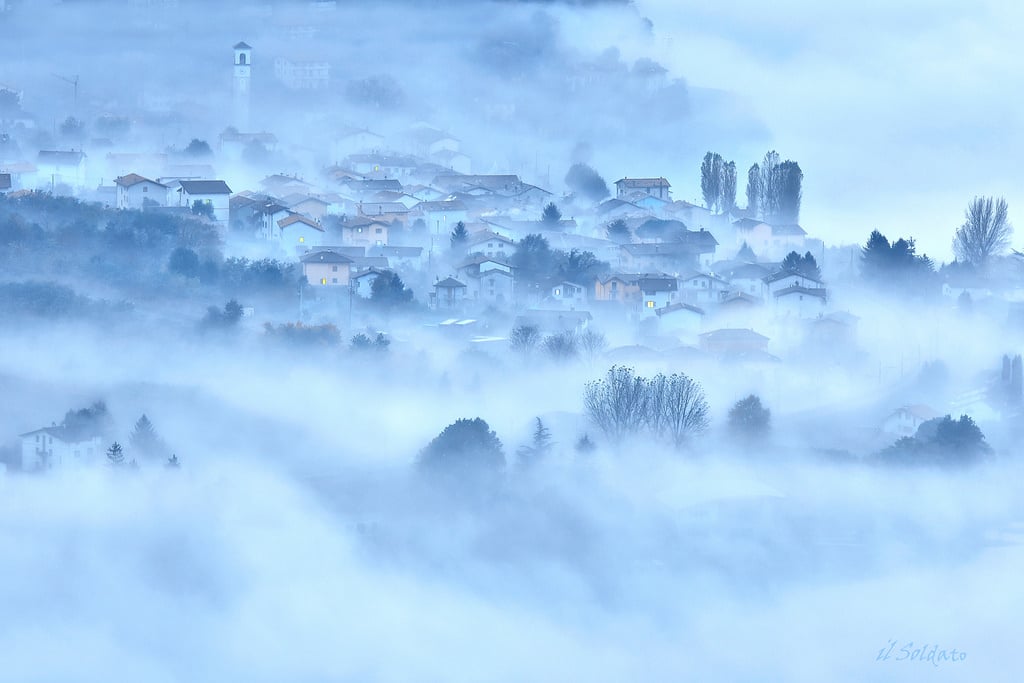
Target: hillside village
480,255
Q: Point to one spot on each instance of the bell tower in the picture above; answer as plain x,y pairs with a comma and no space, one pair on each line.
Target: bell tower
241,86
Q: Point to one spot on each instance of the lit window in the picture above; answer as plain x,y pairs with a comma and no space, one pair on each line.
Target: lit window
323,281
558,292
301,240
650,304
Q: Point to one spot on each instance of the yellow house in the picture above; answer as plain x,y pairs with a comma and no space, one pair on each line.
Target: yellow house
621,288
326,268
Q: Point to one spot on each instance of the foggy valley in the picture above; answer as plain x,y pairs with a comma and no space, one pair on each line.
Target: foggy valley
489,340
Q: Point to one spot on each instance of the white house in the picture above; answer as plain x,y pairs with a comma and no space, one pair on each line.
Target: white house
800,302
492,286
214,193
655,187
55,446
656,291
299,232
906,420
702,288
441,217
490,243
680,319
362,283
57,168
568,295
785,279
136,192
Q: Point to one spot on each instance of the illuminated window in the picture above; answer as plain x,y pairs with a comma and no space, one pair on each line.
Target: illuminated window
650,304
558,292
323,281
301,240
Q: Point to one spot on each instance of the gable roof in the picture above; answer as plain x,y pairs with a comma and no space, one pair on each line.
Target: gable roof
658,283
243,46
60,157
204,187
133,179
747,223
797,289
679,307
788,229
324,256
783,274
449,283
295,218
734,335
643,182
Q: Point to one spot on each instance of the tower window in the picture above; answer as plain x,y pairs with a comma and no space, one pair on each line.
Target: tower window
241,58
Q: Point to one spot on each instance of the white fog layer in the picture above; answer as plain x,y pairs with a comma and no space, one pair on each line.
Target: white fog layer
486,340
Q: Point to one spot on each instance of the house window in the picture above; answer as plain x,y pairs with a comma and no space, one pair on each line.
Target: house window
379,231
334,269
145,188
650,304
301,240
323,281
334,280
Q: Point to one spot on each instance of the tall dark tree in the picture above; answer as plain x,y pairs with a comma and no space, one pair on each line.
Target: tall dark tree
754,191
985,232
465,447
618,232
115,455
711,179
727,201
551,215
389,291
586,182
540,445
875,256
770,185
145,441
198,148
748,419
459,237
790,192
533,259
805,265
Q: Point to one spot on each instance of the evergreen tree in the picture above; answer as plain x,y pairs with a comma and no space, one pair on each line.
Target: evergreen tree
539,447
711,180
754,191
144,439
618,232
585,445
115,455
875,257
749,419
551,215
173,462
727,201
459,237
790,192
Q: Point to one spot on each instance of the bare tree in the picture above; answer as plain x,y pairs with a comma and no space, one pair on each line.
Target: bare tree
524,339
985,233
562,347
592,344
617,403
676,408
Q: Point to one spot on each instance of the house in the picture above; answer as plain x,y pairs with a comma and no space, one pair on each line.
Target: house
365,188
384,211
786,238
703,288
680,319
58,446
448,294
363,231
489,285
56,168
302,74
313,207
618,287
355,141
233,144
671,257
299,232
214,193
905,421
362,282
568,295
490,243
136,192
501,185
733,341
757,235
654,187
748,278
280,185
23,175
784,279
453,160
656,291
5,183
800,302
611,209
442,216
326,267
478,265
401,257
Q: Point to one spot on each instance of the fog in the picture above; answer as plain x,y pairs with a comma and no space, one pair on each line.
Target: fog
301,515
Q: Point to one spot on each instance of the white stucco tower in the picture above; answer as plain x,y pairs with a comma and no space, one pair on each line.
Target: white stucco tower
241,87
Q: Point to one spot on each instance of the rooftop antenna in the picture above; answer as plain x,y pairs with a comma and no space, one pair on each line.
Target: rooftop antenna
72,81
